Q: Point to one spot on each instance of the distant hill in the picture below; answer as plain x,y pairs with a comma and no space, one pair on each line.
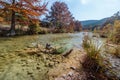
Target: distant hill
111,19
92,23
88,22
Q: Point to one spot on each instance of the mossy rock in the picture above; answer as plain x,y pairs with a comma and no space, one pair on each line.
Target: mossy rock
59,50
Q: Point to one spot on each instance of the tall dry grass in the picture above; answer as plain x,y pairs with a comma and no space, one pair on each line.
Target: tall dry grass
93,59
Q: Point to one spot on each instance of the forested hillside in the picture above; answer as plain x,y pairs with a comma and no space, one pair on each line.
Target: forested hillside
91,24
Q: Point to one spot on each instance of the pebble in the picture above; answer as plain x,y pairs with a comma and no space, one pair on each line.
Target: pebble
51,64
29,73
37,67
70,73
73,68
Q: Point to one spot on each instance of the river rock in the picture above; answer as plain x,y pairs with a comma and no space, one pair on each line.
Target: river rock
51,64
38,67
32,45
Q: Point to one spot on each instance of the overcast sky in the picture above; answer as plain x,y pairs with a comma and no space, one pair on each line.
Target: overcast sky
90,9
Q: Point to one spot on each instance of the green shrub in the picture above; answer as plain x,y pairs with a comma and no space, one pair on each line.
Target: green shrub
34,28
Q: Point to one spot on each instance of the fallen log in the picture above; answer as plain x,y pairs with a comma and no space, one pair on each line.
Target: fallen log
111,45
67,52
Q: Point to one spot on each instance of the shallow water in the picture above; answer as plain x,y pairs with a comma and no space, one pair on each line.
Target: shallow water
67,40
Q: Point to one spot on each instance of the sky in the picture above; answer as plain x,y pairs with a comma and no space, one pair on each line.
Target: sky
90,9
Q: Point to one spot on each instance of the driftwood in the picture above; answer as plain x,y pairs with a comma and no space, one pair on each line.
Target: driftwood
66,53
111,45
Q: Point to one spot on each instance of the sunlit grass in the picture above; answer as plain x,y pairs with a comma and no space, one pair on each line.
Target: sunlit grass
113,49
93,48
10,45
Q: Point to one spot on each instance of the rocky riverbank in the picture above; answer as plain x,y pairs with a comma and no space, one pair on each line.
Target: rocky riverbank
32,64
29,64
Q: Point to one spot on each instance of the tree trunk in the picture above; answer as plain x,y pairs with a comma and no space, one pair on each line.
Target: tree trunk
12,29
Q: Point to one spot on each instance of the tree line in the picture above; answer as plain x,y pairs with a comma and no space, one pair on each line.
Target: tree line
28,12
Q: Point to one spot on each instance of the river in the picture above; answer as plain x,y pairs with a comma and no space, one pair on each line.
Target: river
67,40
11,49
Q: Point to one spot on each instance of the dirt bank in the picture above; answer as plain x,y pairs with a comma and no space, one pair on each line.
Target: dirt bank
70,68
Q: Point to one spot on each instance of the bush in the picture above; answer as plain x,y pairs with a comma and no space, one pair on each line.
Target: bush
107,30
114,34
114,50
95,63
93,59
92,47
34,28
117,51
44,30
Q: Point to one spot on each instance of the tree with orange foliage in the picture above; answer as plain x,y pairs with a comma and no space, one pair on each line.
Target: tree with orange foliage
29,9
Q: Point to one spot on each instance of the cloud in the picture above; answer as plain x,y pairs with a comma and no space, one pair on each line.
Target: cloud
94,1
68,0
84,1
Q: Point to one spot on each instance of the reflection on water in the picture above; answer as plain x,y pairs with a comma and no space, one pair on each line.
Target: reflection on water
68,40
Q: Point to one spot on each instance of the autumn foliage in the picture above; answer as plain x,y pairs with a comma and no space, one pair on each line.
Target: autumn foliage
22,11
60,17
115,36
28,12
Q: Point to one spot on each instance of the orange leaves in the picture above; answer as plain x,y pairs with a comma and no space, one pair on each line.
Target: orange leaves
1,19
30,9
